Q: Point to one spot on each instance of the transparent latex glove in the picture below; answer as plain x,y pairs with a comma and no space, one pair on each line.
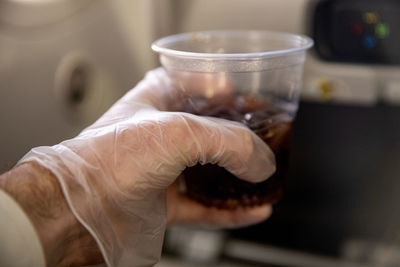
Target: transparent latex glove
115,173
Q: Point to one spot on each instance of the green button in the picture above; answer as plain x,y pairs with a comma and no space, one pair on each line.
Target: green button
382,30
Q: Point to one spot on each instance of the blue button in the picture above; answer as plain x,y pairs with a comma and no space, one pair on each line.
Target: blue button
369,41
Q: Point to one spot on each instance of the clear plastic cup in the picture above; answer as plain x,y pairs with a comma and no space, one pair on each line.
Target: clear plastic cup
253,77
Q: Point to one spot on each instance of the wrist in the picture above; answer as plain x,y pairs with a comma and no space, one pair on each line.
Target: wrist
39,194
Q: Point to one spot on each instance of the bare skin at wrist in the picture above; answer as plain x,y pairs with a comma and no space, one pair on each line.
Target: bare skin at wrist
64,240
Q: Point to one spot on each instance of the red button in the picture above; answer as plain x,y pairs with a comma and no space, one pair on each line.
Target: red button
357,29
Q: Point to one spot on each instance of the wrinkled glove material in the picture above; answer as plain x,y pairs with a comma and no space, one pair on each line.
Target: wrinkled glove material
114,174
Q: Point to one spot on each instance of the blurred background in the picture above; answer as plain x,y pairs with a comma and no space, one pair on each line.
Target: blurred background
63,63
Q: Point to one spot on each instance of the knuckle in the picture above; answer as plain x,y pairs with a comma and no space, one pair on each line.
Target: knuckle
175,125
182,132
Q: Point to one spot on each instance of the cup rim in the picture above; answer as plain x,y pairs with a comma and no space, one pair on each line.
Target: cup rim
160,45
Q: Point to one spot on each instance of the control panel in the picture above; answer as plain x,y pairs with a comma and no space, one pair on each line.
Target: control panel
364,31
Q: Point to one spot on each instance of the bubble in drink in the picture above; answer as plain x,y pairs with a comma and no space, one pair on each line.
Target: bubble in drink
272,122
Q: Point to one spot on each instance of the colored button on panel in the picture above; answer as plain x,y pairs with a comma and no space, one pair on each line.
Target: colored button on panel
370,17
369,41
356,29
382,30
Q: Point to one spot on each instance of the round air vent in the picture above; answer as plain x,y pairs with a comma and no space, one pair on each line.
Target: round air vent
82,89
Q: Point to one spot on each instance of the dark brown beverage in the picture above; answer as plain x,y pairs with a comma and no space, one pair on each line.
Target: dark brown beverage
213,185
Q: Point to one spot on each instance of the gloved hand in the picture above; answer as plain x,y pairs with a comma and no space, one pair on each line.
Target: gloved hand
115,173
